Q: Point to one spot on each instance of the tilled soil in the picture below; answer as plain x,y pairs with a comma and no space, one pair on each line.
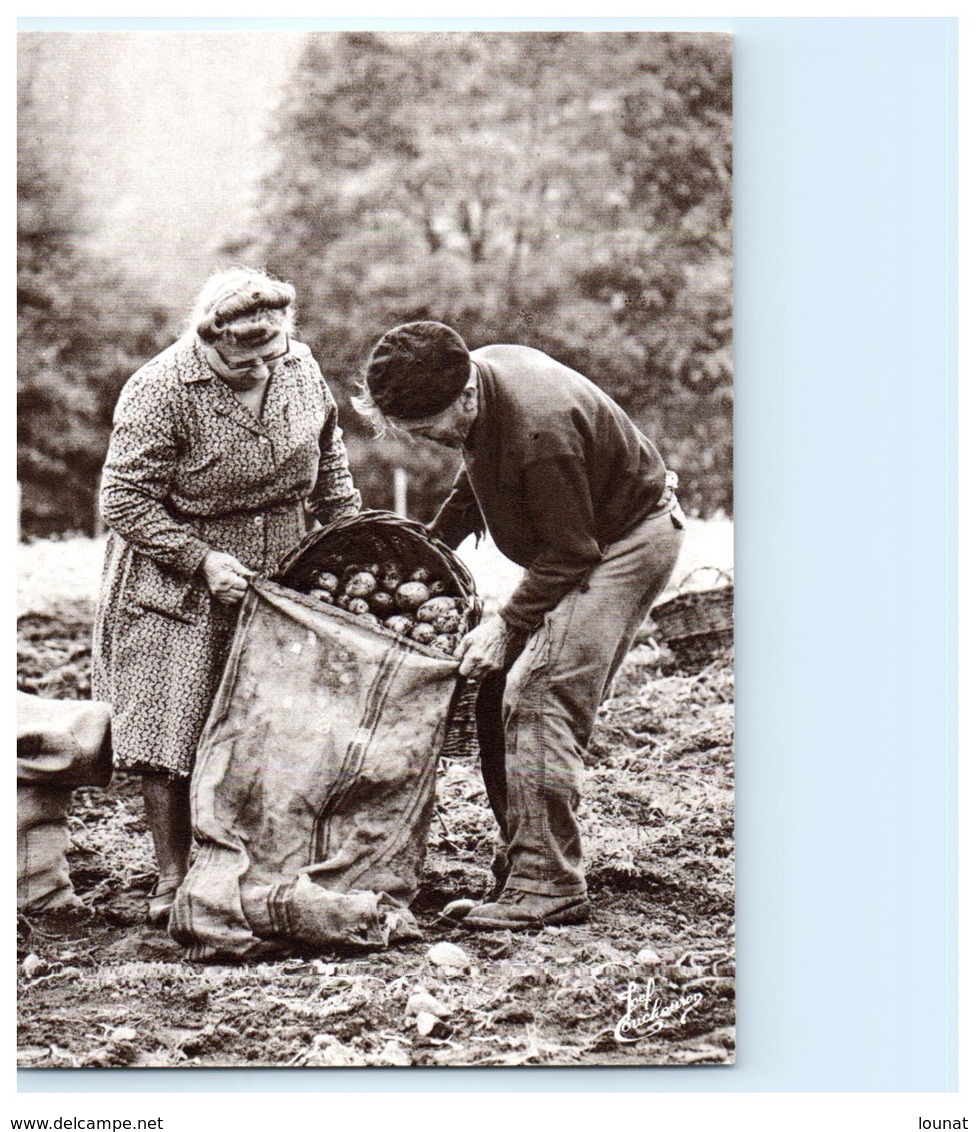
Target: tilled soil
649,980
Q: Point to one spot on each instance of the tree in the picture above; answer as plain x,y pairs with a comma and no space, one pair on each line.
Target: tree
80,334
565,191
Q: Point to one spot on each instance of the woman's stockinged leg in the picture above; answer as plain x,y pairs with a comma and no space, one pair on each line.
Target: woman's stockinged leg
167,802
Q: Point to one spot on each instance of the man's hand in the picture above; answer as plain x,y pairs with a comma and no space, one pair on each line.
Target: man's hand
226,577
482,649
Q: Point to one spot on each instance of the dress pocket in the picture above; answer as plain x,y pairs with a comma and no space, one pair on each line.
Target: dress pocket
205,461
161,590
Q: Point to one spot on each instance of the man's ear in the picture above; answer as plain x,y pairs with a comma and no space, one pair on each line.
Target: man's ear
469,394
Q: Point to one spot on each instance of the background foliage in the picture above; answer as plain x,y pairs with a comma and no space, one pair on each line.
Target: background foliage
565,192
568,192
79,333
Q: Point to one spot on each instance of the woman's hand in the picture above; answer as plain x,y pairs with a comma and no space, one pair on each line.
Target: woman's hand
226,577
482,650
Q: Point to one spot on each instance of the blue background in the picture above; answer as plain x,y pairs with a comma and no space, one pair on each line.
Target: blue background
845,169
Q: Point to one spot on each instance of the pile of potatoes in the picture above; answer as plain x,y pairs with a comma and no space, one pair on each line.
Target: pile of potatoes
412,602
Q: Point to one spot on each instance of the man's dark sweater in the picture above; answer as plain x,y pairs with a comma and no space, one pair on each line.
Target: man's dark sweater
554,469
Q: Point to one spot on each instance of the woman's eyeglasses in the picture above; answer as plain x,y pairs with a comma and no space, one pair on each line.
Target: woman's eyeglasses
253,363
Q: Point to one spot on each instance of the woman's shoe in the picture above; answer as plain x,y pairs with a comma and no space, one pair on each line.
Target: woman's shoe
161,901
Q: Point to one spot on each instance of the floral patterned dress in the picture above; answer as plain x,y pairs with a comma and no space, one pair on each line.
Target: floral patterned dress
191,469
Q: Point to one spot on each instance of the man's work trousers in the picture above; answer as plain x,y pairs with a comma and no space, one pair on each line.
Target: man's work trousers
535,716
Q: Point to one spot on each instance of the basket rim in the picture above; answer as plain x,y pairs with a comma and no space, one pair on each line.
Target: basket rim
378,518
692,597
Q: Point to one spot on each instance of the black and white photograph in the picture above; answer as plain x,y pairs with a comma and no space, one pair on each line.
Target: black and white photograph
376,561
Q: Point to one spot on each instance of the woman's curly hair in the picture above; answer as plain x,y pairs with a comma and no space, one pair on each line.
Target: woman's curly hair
242,306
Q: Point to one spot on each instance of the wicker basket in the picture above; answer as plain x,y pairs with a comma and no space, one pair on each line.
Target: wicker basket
697,625
461,740
371,536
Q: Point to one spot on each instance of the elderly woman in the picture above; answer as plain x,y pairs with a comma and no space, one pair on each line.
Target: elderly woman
225,449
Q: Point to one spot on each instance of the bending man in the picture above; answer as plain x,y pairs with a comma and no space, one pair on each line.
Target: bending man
571,490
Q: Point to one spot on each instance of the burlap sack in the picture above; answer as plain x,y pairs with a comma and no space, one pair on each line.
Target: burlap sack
315,782
43,884
60,744
63,742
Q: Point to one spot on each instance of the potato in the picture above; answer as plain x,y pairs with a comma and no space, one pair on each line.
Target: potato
359,606
457,909
410,595
437,587
436,608
343,601
326,580
440,612
445,642
322,595
369,617
373,568
391,576
420,574
423,633
400,623
382,603
361,584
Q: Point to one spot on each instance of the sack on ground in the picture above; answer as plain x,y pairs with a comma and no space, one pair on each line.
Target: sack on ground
60,744
43,884
63,743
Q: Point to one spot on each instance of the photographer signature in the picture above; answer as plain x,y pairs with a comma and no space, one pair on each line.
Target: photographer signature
646,1013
